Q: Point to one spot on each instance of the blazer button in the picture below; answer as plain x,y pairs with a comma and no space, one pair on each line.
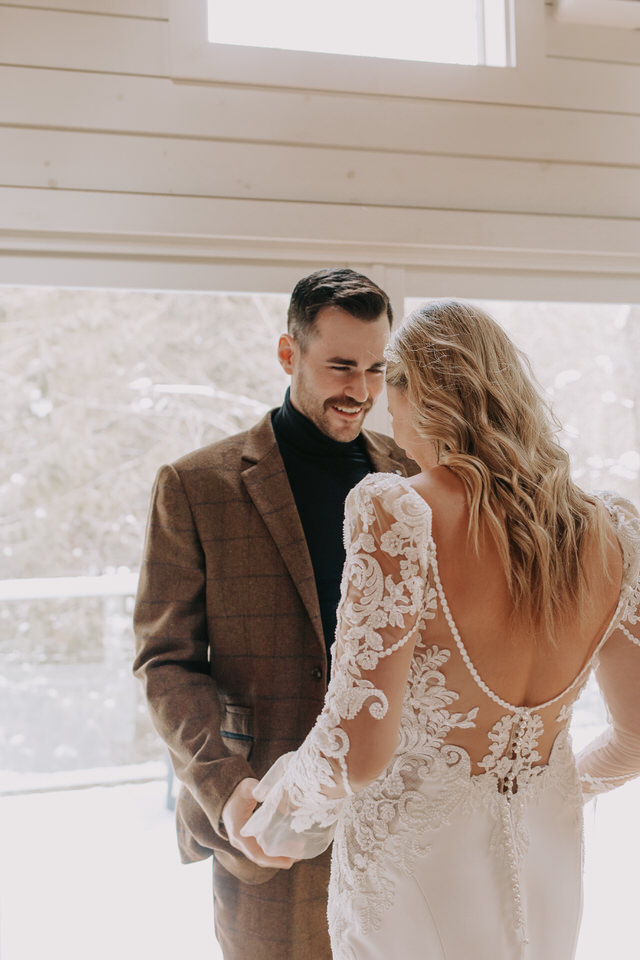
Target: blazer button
316,673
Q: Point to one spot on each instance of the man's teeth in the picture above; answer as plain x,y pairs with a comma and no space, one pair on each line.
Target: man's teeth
349,409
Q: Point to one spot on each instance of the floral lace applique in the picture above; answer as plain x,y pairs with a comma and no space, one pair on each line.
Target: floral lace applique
392,816
627,522
513,751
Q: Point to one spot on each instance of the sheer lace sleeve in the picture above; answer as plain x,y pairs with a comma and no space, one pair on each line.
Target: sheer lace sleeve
384,602
614,757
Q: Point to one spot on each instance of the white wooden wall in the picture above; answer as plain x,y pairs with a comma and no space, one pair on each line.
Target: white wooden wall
521,183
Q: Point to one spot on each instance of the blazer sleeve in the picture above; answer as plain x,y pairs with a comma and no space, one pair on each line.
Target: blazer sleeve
172,651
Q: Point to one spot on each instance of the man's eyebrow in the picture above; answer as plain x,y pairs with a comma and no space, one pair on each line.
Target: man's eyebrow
353,363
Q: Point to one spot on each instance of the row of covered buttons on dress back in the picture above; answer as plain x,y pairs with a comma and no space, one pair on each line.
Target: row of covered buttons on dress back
508,781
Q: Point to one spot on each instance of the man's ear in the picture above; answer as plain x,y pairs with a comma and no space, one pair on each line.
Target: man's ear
287,351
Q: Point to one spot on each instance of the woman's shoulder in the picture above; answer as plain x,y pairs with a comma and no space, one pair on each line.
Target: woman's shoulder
621,510
625,519
385,497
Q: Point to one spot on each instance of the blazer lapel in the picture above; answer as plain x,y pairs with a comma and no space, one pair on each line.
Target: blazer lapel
267,484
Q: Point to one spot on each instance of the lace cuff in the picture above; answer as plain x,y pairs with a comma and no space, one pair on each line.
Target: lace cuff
284,829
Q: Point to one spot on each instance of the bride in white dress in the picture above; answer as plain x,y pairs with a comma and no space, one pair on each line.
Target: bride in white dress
477,597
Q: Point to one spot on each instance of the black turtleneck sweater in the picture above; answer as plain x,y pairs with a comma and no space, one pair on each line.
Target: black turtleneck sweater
321,473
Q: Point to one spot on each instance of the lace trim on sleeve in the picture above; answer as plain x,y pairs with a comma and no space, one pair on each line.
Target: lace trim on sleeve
627,523
592,786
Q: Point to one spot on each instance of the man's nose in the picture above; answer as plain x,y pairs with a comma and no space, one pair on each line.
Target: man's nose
357,387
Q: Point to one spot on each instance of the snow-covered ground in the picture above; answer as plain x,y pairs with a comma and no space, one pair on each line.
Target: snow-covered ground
93,873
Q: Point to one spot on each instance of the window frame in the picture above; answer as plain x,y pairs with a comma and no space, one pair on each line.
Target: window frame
193,58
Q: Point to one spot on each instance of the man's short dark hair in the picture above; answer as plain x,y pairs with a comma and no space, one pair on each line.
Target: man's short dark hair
334,287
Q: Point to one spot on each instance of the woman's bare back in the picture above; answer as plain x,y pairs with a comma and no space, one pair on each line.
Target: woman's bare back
523,668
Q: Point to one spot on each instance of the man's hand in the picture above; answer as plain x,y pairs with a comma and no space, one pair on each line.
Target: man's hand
235,814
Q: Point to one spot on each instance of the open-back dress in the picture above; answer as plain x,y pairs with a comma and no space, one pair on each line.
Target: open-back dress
469,844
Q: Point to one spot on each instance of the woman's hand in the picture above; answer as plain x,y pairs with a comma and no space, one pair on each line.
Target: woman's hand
235,814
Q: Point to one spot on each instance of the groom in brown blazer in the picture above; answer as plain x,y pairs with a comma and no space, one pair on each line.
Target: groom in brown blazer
236,608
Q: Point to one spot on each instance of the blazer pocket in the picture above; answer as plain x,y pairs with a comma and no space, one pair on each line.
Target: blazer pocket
236,729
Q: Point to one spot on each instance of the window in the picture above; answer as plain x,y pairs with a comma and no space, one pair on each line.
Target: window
459,31
347,46
102,387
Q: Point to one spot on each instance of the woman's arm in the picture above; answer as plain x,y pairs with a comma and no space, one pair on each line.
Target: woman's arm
614,757
384,602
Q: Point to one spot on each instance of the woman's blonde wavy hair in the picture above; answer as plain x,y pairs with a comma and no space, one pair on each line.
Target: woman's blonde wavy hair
473,394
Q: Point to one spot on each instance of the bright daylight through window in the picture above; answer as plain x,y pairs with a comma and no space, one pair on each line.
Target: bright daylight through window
459,31
100,387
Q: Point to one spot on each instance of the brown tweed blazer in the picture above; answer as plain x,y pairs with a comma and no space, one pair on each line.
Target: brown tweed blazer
230,643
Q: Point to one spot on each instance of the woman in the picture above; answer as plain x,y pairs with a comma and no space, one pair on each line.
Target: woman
476,599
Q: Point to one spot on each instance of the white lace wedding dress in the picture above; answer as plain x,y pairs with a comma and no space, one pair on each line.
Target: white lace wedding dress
469,845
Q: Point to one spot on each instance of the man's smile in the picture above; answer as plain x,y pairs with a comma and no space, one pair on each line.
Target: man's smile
351,412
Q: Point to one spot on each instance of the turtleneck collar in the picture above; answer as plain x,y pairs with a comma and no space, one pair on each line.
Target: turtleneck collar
298,431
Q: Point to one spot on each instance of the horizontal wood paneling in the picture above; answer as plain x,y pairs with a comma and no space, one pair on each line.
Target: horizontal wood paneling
150,9
547,83
588,42
129,273
188,243
41,158
522,284
204,228
77,41
47,38
520,182
51,98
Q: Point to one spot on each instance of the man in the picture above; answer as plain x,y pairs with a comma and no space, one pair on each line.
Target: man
236,608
